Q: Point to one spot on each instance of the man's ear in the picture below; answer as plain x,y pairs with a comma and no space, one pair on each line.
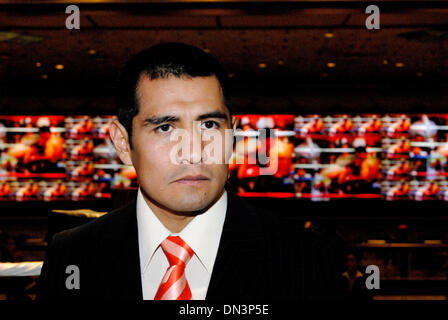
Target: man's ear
120,139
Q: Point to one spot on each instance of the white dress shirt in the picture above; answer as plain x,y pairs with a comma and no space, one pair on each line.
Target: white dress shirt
202,234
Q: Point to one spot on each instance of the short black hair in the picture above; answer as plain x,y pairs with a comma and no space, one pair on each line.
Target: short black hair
354,253
161,61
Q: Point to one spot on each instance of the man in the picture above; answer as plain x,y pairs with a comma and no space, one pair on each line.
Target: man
187,235
353,280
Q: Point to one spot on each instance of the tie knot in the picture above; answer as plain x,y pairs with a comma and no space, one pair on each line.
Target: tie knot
177,251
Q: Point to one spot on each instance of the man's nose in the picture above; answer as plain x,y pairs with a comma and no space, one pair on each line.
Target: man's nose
194,155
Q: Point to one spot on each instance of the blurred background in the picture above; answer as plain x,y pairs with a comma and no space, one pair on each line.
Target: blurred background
359,118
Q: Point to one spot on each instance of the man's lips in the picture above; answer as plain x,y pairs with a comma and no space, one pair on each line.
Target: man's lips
192,179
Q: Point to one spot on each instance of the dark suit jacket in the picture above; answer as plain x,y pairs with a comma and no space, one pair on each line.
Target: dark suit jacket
259,257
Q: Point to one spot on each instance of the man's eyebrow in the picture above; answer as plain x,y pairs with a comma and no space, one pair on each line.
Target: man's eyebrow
156,120
214,114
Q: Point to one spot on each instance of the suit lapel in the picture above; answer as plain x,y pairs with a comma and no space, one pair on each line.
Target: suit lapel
122,270
225,271
120,251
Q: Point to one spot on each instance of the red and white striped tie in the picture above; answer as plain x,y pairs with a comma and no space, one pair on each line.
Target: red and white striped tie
174,285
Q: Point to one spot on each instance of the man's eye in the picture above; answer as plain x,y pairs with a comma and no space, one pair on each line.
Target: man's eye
209,124
163,128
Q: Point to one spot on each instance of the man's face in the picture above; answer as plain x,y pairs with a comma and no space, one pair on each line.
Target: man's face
184,100
351,263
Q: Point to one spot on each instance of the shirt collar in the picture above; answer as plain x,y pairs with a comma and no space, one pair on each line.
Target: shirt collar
202,233
358,274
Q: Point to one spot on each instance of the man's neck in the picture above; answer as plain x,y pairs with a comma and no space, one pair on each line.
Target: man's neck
175,222
352,273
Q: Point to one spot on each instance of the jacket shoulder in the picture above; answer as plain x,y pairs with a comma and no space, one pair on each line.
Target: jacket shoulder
101,226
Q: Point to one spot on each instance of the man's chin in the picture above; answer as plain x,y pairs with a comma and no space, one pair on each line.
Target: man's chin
188,209
191,201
